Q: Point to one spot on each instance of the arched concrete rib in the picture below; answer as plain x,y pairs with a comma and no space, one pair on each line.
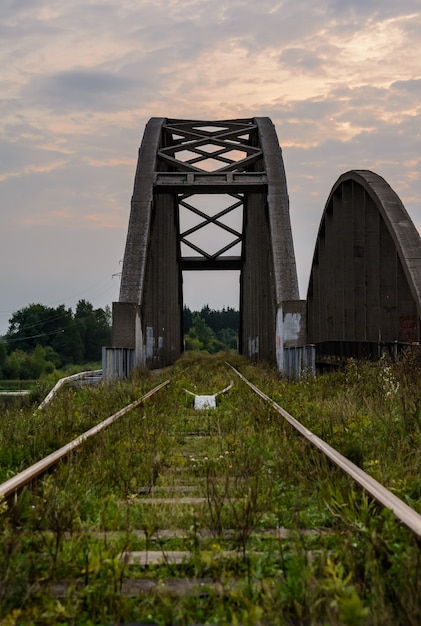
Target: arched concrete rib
399,224
286,282
135,255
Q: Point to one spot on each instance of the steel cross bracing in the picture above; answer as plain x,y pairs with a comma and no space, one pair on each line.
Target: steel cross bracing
208,260
209,158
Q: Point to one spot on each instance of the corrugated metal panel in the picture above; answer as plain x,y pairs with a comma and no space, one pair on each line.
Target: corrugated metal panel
299,361
117,363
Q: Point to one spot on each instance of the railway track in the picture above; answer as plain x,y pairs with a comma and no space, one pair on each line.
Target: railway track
166,514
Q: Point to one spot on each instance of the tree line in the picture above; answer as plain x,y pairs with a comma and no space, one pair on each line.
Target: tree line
41,339
210,329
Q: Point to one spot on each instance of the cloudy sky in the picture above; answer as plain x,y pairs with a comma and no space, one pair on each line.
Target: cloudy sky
340,79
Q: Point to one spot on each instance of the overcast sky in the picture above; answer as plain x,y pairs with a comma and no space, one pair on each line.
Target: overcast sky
340,79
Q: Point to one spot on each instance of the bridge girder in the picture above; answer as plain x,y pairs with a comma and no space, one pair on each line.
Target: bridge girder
179,161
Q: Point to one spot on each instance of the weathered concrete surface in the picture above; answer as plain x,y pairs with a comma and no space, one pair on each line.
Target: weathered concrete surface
365,282
291,331
279,225
138,232
294,323
126,324
148,317
151,278
269,273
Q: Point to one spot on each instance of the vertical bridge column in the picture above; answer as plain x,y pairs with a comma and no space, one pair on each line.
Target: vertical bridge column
148,316
269,275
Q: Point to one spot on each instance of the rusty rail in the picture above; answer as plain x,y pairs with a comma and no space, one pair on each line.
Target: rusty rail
410,518
12,485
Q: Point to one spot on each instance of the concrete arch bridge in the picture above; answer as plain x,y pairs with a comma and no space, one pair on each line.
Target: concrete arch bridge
212,195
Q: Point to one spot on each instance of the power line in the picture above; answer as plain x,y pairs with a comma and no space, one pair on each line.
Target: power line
53,332
44,321
46,334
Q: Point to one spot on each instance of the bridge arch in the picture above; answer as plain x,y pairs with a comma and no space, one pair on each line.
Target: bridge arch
180,160
365,281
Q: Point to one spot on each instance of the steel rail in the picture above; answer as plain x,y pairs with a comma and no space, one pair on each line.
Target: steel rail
410,518
26,476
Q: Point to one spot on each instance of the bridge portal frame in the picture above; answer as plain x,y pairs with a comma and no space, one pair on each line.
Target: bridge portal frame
148,316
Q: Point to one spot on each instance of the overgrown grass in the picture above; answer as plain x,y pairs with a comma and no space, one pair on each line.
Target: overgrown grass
272,533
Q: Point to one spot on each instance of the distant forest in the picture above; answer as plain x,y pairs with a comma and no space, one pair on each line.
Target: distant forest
41,339
211,330
217,320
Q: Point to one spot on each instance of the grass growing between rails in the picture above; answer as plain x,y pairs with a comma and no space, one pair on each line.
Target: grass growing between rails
265,530
28,434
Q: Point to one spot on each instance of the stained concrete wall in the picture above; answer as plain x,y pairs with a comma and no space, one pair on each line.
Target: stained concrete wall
154,327
257,289
269,275
127,329
294,323
365,277
148,317
162,299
